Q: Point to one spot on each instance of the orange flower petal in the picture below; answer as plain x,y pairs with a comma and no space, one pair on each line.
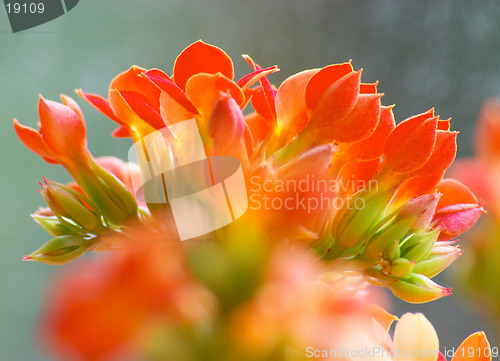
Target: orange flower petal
259,103
269,92
361,122
410,144
373,146
258,126
101,104
132,81
322,80
479,177
128,117
69,102
442,156
163,81
250,79
121,132
334,105
474,348
444,124
143,109
368,88
291,104
204,90
355,175
454,192
384,318
198,58
415,187
171,111
34,141
248,138
61,128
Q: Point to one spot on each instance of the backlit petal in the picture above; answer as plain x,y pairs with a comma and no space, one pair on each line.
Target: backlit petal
198,58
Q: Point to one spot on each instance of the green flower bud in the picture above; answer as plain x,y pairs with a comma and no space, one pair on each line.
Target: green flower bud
383,241
60,250
421,245
356,223
68,205
53,225
117,191
438,260
394,252
401,267
110,196
416,288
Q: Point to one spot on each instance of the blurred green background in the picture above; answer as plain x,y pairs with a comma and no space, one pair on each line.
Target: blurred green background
435,53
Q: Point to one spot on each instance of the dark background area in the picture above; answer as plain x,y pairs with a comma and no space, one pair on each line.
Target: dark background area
425,53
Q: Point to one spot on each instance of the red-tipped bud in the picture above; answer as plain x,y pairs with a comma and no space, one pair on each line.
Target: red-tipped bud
441,256
416,288
60,250
457,210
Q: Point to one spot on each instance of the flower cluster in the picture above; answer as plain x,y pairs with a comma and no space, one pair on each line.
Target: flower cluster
341,197
323,123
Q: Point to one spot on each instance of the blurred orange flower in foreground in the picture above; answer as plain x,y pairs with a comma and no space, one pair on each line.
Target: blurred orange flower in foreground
127,302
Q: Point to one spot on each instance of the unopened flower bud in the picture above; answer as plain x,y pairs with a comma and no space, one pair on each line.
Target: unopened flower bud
394,251
416,288
351,226
382,242
108,194
456,219
68,205
441,256
401,267
421,245
60,250
52,225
